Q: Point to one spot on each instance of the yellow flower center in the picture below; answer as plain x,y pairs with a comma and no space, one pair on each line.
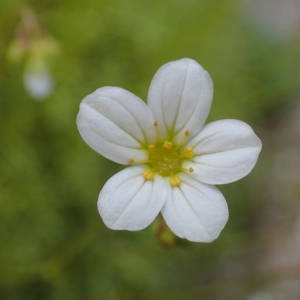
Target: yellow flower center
166,159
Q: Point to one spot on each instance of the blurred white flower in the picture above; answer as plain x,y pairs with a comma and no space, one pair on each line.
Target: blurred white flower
260,296
297,230
38,83
174,160
35,49
278,17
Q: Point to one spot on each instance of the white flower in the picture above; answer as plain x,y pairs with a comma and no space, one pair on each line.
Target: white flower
38,83
276,17
173,159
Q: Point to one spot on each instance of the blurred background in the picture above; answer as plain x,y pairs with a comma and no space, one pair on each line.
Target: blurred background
55,52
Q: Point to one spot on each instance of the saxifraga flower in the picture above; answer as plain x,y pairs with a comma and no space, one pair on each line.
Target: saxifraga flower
173,159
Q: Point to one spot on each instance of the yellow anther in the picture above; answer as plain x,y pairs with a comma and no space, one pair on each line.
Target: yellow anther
190,170
148,174
188,152
187,133
175,181
151,147
167,144
130,160
155,123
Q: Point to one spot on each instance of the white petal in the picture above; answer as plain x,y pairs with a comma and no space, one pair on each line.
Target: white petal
180,96
115,123
226,151
195,211
128,201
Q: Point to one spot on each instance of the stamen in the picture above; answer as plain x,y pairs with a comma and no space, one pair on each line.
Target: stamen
188,152
137,161
190,170
175,181
182,138
148,174
130,160
157,133
187,133
167,144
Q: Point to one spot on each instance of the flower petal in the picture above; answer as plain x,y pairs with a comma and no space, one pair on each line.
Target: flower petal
180,96
115,123
195,211
226,151
128,201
